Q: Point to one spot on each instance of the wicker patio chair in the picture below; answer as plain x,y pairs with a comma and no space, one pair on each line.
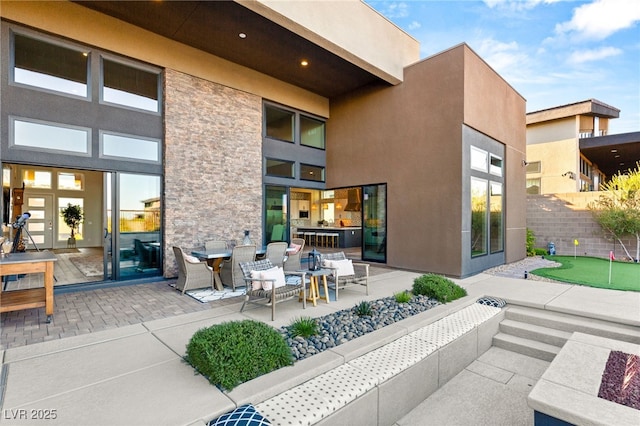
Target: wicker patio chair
215,245
360,277
230,272
190,274
293,260
276,252
275,295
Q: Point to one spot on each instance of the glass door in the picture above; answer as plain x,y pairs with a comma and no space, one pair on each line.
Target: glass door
374,227
132,234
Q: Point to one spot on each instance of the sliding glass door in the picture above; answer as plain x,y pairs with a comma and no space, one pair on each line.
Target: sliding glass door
374,226
132,237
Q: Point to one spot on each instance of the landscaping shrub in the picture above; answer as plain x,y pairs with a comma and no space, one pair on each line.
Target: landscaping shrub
303,327
438,287
363,309
540,252
403,297
234,352
531,241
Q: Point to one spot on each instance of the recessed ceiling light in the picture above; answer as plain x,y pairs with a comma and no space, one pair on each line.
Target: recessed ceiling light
614,150
304,62
616,156
242,35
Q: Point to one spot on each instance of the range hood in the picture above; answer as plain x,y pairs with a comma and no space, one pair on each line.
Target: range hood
353,201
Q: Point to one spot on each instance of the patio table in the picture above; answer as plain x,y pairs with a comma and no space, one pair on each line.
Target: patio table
214,259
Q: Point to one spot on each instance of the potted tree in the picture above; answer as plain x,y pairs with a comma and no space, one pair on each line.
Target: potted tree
73,217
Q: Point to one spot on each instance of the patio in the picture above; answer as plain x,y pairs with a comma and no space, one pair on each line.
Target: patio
123,363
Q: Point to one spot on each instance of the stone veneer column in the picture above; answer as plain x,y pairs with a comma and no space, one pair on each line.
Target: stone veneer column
213,164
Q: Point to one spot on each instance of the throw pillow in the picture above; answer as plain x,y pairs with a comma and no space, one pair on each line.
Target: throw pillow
245,415
344,267
277,274
295,246
191,259
256,275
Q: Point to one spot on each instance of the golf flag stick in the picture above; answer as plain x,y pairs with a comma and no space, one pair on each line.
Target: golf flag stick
611,259
575,248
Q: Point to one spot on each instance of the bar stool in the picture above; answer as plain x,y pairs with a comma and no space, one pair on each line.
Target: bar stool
333,238
321,239
310,238
297,234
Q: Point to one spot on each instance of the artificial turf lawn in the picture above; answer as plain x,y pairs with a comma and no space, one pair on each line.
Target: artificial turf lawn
593,272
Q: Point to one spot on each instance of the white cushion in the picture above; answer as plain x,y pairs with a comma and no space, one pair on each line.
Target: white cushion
276,273
256,275
344,267
191,259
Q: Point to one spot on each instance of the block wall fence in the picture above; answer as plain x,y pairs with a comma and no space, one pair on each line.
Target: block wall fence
564,218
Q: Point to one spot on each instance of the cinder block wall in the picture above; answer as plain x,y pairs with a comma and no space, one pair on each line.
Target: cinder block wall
563,218
213,164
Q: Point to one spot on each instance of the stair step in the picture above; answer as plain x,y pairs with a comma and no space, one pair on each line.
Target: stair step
527,347
550,336
572,323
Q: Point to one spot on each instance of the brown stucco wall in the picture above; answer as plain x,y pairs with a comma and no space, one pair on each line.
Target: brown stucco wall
410,137
213,169
494,108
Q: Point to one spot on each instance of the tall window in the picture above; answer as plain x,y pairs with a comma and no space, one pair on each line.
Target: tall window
50,66
478,216
279,123
311,132
486,199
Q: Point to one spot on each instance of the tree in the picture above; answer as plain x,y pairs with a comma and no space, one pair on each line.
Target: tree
72,216
617,210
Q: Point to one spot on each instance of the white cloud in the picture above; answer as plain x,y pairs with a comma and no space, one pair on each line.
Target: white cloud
600,19
588,55
414,25
516,5
395,9
502,57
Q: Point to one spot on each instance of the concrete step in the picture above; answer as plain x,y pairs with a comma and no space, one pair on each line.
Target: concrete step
572,323
521,345
550,336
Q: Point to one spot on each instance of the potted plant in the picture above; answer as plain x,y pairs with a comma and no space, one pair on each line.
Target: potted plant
73,217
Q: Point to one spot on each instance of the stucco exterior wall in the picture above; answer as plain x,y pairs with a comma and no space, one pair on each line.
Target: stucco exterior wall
213,164
553,165
84,25
564,217
410,137
493,107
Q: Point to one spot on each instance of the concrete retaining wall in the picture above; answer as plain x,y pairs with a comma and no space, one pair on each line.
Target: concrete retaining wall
564,218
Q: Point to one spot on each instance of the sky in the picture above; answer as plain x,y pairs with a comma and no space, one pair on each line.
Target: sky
552,52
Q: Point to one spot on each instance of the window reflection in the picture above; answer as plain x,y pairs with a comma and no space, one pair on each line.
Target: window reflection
125,85
50,66
279,124
478,217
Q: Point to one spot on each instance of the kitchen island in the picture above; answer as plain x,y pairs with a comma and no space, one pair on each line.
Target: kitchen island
348,236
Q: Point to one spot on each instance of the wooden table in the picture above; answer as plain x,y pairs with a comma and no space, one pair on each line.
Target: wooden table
28,263
314,288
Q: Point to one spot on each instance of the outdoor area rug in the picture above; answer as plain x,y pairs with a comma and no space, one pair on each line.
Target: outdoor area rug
205,295
90,266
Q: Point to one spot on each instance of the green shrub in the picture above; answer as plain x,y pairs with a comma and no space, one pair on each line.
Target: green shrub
363,309
438,287
303,327
234,352
540,252
531,241
403,297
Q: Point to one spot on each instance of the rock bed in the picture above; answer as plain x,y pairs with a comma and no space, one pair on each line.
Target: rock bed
345,325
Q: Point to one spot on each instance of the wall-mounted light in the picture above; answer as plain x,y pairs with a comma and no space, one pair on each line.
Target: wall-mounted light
570,174
525,163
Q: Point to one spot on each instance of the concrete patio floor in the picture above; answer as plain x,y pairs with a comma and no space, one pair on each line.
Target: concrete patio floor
132,373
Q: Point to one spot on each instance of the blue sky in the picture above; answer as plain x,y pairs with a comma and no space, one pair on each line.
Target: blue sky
553,52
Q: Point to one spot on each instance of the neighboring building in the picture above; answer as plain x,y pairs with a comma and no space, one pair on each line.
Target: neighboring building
257,115
569,148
